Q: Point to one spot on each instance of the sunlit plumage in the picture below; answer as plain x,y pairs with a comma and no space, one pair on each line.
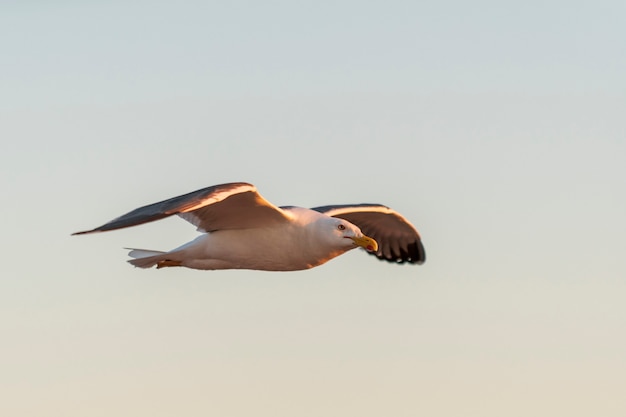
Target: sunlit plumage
242,230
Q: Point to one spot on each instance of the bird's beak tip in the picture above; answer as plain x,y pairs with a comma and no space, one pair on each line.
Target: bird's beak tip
366,243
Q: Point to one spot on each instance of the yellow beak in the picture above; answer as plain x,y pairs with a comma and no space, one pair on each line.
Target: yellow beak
365,242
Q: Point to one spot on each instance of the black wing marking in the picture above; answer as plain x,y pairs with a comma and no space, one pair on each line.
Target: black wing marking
224,206
398,241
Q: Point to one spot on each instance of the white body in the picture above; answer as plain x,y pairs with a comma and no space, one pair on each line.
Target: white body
289,247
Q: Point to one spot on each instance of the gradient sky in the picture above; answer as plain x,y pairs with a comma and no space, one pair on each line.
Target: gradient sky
497,128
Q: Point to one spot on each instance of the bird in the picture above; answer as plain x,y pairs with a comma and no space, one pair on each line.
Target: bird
242,230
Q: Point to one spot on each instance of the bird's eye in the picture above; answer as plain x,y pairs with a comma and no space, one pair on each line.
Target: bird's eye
341,227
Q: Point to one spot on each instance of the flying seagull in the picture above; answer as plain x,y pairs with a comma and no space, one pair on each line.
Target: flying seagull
242,230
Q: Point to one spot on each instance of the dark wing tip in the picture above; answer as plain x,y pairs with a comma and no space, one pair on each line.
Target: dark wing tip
83,232
103,228
412,253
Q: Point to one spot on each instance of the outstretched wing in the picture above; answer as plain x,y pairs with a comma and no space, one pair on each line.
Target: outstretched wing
398,241
235,205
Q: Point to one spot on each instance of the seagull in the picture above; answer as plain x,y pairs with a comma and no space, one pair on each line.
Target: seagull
242,230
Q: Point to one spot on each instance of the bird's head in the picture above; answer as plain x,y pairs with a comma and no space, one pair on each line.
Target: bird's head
348,236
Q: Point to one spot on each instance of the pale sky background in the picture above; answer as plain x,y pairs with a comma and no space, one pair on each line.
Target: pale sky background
497,128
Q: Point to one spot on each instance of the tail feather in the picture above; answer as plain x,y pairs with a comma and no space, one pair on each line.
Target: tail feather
146,258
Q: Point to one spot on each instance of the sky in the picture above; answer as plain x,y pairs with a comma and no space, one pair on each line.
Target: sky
496,128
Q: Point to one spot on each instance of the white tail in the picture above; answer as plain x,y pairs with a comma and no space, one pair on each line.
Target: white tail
146,258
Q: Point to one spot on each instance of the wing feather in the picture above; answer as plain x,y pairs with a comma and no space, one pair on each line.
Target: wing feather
225,206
